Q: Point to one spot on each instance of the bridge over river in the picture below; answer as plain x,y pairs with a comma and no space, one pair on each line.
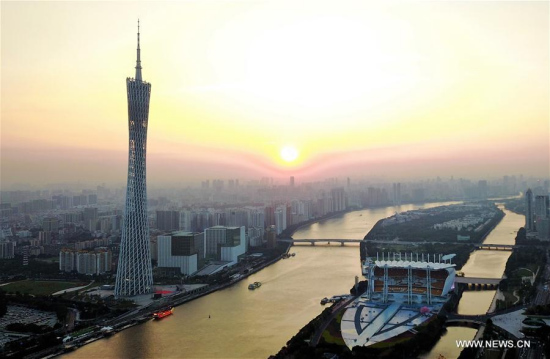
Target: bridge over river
314,241
454,319
473,280
343,241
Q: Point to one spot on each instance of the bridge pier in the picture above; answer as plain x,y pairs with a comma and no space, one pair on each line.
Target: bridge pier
342,244
312,243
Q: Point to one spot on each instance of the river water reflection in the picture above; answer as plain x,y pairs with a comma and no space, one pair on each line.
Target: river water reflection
489,264
484,264
256,324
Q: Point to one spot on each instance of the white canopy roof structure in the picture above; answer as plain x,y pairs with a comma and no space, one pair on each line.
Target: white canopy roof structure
413,264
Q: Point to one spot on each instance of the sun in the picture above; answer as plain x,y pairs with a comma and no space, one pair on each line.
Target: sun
289,153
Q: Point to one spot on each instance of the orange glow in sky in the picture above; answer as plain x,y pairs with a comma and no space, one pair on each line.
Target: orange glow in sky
251,89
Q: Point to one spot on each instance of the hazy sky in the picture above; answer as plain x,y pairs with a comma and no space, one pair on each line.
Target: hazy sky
364,88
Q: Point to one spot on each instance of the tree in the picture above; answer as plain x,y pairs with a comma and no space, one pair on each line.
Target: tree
3,304
522,235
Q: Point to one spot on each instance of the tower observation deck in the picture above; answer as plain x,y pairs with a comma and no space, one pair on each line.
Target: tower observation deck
134,272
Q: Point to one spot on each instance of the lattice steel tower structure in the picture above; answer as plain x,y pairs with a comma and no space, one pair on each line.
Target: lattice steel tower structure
134,273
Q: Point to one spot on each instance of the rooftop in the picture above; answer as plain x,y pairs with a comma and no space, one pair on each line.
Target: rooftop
182,233
511,322
413,264
366,323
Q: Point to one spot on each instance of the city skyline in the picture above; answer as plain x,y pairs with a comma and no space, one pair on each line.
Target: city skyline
247,90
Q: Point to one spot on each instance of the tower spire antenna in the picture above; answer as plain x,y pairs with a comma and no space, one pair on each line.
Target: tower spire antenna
138,62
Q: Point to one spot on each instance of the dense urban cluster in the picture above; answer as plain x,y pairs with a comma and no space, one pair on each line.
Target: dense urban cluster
198,233
47,221
537,214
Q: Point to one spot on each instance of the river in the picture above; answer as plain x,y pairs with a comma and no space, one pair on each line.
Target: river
484,264
256,324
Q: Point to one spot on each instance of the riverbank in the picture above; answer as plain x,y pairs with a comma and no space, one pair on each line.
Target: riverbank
522,275
322,335
289,232
463,252
455,223
144,314
225,285
494,224
268,317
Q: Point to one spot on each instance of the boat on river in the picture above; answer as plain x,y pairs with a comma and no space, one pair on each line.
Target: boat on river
163,313
254,285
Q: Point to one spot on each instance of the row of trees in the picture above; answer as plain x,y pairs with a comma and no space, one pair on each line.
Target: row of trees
3,304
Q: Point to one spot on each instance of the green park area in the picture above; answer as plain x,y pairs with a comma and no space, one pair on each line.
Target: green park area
39,287
332,334
520,271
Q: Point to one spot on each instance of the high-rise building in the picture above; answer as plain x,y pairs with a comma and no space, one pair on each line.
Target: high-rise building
50,224
280,219
168,220
291,181
7,250
187,218
181,250
92,199
542,220
97,261
236,217
269,216
271,236
543,229
542,205
338,196
134,273
67,260
255,236
483,191
529,215
224,243
256,218
90,218
396,193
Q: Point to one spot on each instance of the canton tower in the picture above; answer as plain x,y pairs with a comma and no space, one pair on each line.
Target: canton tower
134,273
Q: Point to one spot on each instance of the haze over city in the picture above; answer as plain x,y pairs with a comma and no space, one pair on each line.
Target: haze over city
275,179
241,89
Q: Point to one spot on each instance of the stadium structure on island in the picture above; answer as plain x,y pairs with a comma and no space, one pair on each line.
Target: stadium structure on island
403,292
409,280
